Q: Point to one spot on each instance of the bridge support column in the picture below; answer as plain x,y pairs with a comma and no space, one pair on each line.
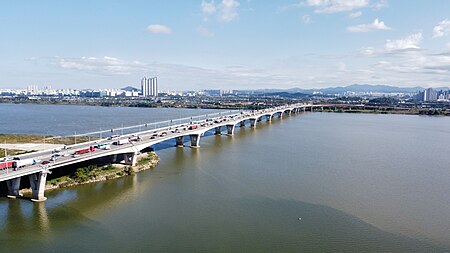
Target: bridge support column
268,117
37,183
253,122
281,115
242,123
130,159
230,129
179,141
13,188
304,109
218,130
195,140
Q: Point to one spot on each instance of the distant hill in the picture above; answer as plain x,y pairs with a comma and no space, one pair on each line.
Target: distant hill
130,88
351,88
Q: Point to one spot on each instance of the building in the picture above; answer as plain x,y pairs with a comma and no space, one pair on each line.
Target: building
149,87
430,95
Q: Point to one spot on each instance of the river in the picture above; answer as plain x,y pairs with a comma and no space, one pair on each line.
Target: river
358,182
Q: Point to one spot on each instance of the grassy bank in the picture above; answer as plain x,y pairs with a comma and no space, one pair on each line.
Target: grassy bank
94,173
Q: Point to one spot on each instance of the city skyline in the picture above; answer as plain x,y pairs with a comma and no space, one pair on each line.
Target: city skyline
225,44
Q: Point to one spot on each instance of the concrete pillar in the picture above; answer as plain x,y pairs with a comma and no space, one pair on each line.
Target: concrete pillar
130,159
195,140
268,117
242,123
179,141
281,115
37,183
218,130
252,122
13,188
230,129
304,109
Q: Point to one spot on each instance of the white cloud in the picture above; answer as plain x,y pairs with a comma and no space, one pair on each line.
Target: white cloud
306,19
159,29
333,6
380,4
103,66
375,25
228,10
355,14
410,42
441,29
204,31
208,8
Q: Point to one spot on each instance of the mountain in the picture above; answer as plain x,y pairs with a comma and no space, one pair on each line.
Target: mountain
130,88
351,88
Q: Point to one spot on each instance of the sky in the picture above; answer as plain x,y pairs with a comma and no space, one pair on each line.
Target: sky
224,44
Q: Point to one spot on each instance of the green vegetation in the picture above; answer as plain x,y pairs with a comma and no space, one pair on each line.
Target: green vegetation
94,173
91,173
145,160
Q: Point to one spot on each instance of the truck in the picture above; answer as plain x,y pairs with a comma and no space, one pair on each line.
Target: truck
23,163
84,150
121,142
6,164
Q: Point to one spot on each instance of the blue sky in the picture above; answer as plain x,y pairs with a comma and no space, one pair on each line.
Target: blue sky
224,44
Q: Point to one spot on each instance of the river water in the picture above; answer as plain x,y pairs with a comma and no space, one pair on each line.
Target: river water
359,182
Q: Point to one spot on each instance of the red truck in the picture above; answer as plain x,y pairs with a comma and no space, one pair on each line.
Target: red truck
7,164
84,150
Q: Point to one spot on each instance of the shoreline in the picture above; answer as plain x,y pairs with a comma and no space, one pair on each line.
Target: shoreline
95,174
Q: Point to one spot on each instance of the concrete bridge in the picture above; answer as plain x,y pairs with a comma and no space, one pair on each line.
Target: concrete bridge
128,152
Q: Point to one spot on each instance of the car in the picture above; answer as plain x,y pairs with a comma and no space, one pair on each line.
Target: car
163,134
75,155
113,137
53,158
66,154
45,162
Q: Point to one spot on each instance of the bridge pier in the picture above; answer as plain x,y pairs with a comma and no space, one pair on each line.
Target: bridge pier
268,117
37,183
230,129
242,123
195,140
13,188
179,141
130,159
218,130
253,122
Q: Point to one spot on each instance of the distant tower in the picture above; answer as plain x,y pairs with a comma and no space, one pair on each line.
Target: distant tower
429,95
149,87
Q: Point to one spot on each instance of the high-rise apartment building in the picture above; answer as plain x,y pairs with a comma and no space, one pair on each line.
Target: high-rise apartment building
430,95
149,87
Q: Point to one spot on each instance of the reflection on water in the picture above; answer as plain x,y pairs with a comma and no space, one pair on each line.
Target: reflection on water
245,193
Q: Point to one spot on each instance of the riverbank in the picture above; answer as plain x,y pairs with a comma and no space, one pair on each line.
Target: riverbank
429,112
94,173
31,142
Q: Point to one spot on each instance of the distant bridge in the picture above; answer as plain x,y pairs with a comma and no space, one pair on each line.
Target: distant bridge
128,151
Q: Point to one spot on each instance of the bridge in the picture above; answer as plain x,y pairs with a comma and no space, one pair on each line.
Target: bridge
128,150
